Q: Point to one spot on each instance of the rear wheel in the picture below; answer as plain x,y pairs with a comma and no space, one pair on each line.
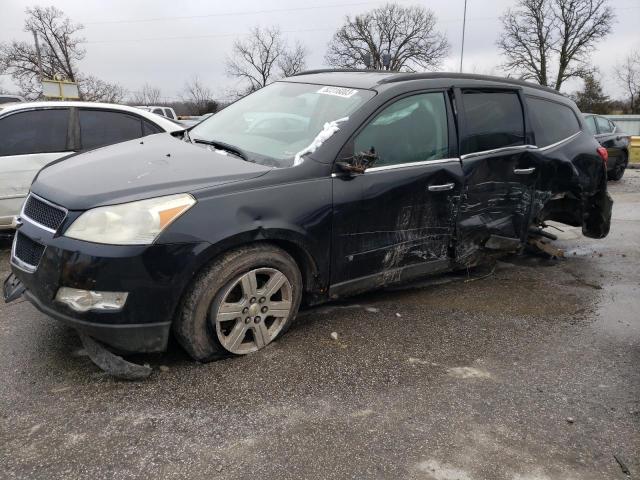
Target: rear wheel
240,303
618,172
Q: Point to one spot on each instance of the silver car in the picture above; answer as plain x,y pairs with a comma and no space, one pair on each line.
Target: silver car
33,134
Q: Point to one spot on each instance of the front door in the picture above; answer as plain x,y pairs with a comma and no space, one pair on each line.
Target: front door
395,221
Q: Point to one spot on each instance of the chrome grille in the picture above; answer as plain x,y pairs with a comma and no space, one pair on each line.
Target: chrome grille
27,251
43,213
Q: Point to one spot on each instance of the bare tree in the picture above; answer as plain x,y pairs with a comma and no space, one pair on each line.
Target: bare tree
293,60
93,89
406,36
543,39
527,39
199,97
148,95
60,49
628,76
264,57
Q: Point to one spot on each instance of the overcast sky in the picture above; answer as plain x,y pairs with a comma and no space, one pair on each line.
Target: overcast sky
166,42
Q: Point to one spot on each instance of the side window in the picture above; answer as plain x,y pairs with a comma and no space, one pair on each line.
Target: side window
551,121
591,124
168,113
603,125
158,111
149,128
36,131
493,120
99,128
413,129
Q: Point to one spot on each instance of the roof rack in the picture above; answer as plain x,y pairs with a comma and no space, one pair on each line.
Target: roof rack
341,70
401,77
392,77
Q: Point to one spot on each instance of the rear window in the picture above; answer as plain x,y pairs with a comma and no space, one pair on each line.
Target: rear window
36,131
493,120
591,124
551,121
604,125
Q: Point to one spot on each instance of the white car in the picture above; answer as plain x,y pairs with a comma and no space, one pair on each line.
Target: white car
34,134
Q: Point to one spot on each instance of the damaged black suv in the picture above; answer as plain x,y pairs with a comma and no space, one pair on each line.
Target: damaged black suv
319,186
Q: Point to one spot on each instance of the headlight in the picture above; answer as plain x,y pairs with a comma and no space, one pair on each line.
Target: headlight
135,223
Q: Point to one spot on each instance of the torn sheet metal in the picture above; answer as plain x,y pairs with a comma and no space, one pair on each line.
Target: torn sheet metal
111,363
546,247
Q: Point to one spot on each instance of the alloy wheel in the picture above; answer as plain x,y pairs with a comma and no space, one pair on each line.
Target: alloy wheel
253,309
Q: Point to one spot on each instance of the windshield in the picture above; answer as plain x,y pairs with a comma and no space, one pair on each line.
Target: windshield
279,121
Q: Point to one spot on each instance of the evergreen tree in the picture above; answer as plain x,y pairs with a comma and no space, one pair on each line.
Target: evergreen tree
591,98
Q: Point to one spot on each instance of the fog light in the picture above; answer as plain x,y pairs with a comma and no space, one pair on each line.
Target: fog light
85,300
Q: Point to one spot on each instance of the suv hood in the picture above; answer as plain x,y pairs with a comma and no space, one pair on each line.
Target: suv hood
143,168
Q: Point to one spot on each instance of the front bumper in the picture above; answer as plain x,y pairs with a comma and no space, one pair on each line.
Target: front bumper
138,337
155,277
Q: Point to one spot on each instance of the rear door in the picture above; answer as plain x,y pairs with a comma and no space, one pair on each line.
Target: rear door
395,221
29,140
499,169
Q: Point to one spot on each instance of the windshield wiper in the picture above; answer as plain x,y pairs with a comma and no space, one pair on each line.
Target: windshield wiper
238,152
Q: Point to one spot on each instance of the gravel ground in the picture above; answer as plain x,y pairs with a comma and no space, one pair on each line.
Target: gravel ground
528,374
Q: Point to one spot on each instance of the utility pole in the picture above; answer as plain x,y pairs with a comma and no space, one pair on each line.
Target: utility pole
35,38
464,25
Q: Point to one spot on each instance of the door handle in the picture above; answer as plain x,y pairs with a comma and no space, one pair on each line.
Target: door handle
524,171
441,188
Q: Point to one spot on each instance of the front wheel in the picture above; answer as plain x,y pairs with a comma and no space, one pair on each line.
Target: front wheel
240,303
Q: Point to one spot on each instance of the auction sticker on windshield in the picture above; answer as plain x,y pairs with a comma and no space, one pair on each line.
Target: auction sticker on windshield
338,91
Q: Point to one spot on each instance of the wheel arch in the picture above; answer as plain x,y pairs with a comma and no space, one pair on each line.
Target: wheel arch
314,276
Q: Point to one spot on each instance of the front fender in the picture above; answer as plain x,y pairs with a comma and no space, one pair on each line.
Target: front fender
295,215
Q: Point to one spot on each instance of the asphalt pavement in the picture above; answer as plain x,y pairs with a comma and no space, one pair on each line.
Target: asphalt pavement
525,372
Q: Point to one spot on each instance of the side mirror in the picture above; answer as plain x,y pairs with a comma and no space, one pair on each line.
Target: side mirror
358,163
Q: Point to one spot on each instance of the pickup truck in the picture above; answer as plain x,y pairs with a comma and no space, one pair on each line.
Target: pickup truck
164,111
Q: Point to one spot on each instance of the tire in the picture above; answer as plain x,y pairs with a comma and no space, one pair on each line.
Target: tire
216,309
617,174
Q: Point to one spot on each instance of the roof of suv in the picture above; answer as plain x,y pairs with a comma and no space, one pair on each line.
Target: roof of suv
374,78
163,122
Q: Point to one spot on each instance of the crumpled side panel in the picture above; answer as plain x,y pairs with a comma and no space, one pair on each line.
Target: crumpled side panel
490,208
